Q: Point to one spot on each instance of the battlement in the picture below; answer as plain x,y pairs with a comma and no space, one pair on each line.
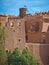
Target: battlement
22,12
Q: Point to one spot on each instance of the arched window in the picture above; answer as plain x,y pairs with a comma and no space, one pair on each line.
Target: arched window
6,51
35,27
11,24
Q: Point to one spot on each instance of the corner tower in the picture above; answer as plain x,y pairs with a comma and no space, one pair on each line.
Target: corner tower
22,12
16,31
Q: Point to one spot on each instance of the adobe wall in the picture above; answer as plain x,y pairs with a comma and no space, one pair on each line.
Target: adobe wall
47,38
36,28
16,31
33,27
41,52
15,34
3,19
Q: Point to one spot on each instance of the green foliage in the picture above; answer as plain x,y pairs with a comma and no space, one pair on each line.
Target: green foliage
14,57
2,37
21,58
3,57
29,57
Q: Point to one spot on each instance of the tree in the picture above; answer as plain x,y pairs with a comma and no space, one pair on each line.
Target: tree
29,58
21,58
14,57
3,57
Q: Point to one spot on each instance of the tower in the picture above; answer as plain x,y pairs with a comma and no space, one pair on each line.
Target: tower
22,12
16,34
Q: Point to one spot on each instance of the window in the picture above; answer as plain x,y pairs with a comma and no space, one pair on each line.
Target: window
11,24
19,40
0,24
6,51
14,30
26,37
19,23
35,27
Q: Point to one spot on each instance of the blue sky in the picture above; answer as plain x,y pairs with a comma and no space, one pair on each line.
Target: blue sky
12,6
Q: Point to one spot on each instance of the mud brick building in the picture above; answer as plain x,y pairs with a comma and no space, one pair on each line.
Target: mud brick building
28,30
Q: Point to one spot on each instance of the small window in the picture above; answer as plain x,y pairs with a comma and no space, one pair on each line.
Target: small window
14,30
0,24
19,23
19,40
26,37
11,24
6,51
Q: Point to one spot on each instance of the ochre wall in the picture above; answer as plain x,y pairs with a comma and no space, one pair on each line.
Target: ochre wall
16,35
40,51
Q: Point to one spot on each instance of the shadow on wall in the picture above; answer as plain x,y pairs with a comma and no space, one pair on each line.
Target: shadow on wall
44,54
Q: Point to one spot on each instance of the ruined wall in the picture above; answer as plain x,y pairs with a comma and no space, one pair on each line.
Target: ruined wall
16,34
29,29
36,28
38,40
3,19
40,51
33,29
15,31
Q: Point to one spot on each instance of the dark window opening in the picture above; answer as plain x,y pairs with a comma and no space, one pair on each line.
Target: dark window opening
26,37
0,24
14,30
6,51
19,40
